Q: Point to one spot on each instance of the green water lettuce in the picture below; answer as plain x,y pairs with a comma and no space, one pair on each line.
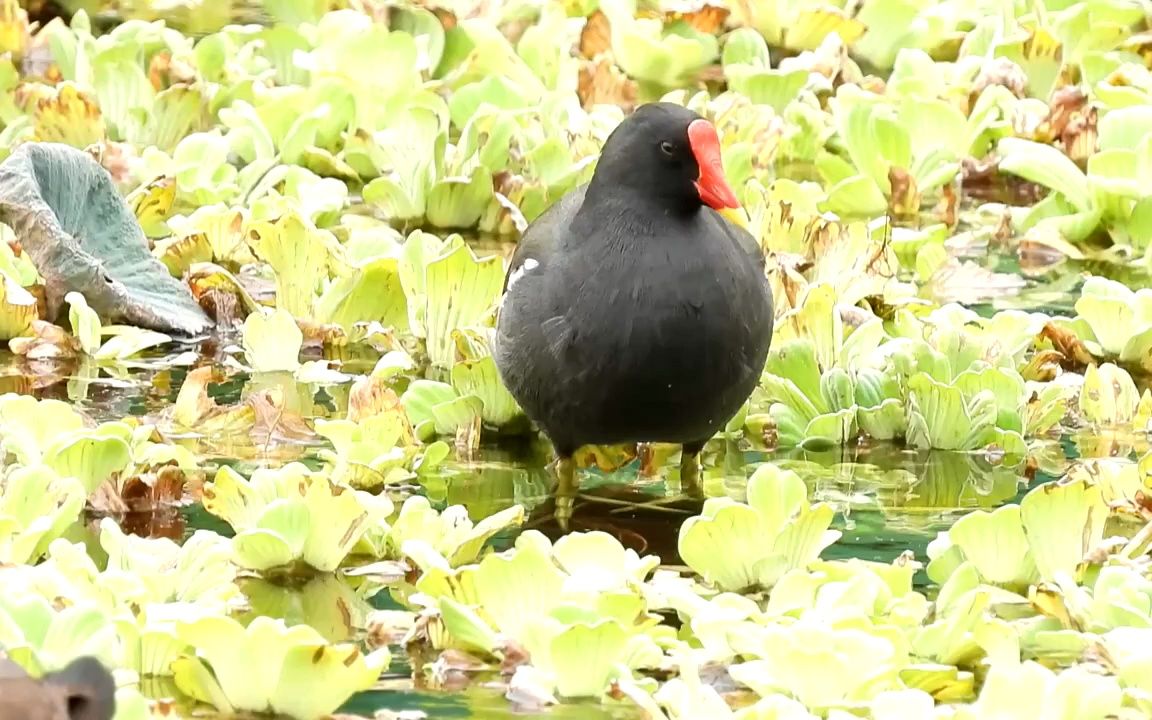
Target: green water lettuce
808,380
41,637
922,139
199,163
1108,196
52,433
451,533
67,114
371,452
375,445
1016,545
139,573
575,607
856,259
158,570
1109,398
1118,82
319,279
300,254
124,341
474,395
149,585
830,615
36,507
448,289
18,308
894,27
818,315
687,696
682,697
222,228
558,148
799,25
1130,659
1115,322
944,416
1031,690
92,457
371,290
945,380
327,603
964,338
291,516
349,51
477,376
291,188
883,591
651,52
149,643
284,123
272,341
423,176
821,666
777,528
968,393
1118,598
752,134
134,110
270,667
823,412
887,165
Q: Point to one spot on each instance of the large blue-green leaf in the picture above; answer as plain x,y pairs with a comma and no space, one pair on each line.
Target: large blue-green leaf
82,236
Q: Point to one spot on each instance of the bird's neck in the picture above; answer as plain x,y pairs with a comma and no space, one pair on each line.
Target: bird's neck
609,202
624,221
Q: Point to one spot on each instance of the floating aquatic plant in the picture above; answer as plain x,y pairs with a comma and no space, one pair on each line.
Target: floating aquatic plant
270,667
292,515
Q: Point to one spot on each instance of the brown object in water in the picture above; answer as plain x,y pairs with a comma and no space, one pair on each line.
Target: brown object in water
84,690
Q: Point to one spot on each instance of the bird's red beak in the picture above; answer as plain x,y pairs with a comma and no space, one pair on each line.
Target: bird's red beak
712,185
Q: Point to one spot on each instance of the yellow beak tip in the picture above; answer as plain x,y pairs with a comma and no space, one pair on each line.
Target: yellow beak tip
737,216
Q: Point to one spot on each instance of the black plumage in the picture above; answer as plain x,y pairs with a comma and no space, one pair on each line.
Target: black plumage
634,311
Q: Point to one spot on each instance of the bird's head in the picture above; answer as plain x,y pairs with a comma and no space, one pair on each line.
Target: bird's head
668,153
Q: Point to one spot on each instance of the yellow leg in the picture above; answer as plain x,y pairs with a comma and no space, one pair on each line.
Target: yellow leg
565,490
690,473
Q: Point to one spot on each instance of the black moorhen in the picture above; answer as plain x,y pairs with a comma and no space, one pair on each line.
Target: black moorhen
634,311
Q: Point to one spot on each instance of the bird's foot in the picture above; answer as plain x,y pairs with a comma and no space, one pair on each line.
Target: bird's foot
566,489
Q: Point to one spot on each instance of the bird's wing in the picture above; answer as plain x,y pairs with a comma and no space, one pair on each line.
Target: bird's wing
540,239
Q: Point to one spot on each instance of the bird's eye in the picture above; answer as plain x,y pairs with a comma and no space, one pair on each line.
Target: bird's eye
667,148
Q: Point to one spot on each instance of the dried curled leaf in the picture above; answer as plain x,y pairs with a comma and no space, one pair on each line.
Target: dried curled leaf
1075,354
701,16
195,409
45,341
601,82
596,37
